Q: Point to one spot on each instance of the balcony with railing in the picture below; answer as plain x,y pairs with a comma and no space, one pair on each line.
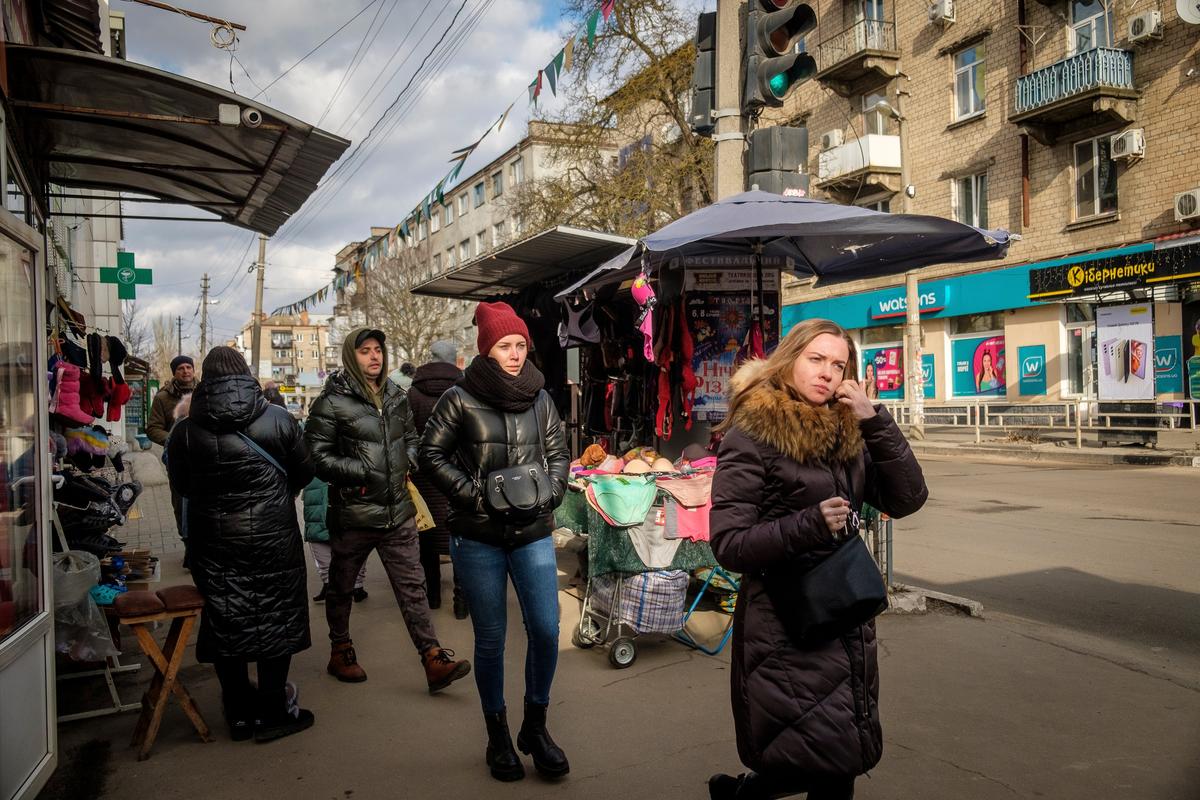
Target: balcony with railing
1086,90
859,58
864,166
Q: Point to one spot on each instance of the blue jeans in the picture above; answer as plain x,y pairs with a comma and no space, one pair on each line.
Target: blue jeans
483,571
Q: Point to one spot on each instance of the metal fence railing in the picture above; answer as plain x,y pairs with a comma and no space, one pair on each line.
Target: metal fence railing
1091,69
868,34
877,533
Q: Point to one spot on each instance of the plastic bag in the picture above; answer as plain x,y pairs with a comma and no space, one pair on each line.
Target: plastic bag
81,632
75,573
424,518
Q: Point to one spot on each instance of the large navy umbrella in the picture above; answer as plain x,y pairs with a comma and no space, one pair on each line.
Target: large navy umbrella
831,242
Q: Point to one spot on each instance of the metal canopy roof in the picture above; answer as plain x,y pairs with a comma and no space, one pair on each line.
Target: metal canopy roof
95,122
547,257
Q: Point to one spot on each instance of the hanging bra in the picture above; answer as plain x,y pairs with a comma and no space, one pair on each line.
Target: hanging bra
579,328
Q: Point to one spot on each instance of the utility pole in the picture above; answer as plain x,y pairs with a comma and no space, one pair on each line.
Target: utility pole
204,315
730,135
179,329
914,379
256,336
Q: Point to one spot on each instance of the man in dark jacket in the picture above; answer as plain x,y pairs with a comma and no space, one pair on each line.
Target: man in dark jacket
162,417
363,441
429,383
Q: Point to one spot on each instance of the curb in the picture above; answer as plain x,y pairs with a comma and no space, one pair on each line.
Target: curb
1058,455
928,597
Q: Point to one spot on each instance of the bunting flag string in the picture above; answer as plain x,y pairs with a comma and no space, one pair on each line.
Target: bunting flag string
402,234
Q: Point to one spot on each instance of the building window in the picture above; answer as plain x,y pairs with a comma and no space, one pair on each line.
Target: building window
977,323
422,232
1095,179
477,191
497,184
315,355
435,221
968,82
884,205
970,200
883,334
875,119
464,250
450,258
1091,25
448,213
518,225
516,171
480,242
497,234
464,205
437,263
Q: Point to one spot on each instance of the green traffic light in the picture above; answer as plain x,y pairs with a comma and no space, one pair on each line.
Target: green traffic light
779,84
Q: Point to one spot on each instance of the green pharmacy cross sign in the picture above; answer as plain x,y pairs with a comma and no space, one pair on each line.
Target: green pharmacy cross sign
126,276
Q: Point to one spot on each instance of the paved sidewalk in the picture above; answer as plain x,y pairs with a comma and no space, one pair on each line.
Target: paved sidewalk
155,526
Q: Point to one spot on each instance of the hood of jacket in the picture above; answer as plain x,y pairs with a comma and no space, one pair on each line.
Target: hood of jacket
371,391
228,403
434,378
800,431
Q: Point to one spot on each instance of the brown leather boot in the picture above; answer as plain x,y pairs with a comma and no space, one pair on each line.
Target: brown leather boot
343,664
441,669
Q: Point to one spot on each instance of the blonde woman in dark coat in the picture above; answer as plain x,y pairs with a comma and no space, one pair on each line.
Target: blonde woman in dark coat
802,439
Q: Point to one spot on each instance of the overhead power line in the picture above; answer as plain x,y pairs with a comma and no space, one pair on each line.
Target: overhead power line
364,47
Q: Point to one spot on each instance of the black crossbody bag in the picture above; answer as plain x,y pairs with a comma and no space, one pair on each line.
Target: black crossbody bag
832,598
517,495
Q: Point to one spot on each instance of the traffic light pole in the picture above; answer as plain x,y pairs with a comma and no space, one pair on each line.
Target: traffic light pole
730,135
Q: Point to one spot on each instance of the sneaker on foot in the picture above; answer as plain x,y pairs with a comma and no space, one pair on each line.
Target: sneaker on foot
441,669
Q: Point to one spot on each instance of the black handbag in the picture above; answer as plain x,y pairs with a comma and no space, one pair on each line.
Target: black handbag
516,495
832,598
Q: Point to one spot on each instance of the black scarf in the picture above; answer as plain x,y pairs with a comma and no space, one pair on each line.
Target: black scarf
486,380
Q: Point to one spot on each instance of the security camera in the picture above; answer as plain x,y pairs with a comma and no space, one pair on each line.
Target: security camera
251,117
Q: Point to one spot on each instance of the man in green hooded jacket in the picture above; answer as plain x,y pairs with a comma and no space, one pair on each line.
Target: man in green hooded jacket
363,442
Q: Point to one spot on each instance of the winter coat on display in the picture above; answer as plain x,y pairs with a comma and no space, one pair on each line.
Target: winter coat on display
812,710
316,507
243,536
162,411
430,382
363,453
466,439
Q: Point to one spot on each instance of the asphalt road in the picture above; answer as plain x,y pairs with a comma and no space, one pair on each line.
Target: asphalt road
1108,554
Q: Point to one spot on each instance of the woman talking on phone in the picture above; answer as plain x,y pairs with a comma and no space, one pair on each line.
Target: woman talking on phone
804,448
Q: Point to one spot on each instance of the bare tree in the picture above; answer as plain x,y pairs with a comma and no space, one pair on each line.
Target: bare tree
163,348
412,322
629,161
136,335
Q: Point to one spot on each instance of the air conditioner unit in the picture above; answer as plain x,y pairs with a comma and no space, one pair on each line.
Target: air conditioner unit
942,11
832,139
1128,144
1144,26
1187,205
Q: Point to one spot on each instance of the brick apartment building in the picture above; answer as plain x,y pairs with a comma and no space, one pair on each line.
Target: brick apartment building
1069,122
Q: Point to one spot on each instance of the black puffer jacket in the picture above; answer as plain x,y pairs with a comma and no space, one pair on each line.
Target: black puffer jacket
364,454
466,439
811,711
243,536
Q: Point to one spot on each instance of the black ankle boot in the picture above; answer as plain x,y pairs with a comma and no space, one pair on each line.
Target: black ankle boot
501,758
534,740
461,611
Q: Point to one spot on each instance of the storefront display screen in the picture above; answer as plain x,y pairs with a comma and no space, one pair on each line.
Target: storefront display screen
883,373
979,367
1191,347
722,313
1125,336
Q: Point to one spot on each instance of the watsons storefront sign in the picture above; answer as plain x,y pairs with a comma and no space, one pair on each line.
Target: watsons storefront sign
892,307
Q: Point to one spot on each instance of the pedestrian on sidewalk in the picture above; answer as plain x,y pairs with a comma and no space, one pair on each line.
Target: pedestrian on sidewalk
803,449
429,383
360,431
499,416
316,533
162,418
240,462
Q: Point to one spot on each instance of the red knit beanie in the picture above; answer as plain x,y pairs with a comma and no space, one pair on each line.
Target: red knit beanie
495,321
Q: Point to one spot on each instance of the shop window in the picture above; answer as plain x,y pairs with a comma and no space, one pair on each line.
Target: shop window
1095,179
978,366
1080,312
977,323
970,200
1081,359
1091,25
968,82
477,192
883,334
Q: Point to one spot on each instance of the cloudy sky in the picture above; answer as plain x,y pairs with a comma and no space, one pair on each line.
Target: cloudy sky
494,63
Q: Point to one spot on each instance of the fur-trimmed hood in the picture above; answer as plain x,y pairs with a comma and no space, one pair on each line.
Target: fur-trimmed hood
798,430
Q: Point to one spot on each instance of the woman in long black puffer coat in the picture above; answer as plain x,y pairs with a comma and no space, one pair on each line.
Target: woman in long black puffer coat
246,555
804,448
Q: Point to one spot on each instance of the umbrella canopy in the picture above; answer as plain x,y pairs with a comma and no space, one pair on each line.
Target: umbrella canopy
831,242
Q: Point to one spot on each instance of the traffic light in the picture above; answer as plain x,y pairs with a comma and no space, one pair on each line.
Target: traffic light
773,67
776,158
704,75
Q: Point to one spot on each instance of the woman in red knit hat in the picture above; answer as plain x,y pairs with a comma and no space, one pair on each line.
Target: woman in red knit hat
499,416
